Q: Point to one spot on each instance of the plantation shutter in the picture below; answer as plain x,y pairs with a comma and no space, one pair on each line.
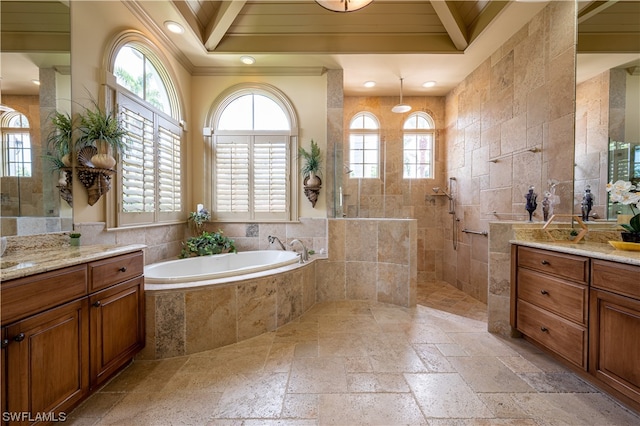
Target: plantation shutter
169,170
150,166
231,178
270,176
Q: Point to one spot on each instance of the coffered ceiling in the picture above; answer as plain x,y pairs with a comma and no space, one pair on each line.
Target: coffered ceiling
419,40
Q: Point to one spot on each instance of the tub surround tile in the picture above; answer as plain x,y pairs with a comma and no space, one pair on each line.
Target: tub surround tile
256,308
170,325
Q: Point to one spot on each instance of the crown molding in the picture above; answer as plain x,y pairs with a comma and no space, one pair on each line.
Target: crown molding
281,71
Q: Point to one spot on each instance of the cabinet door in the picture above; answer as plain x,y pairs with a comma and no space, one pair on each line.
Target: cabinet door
117,327
3,371
48,360
615,342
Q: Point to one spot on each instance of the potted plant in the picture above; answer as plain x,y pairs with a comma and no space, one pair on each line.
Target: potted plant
312,166
74,239
198,218
206,244
106,130
60,140
625,193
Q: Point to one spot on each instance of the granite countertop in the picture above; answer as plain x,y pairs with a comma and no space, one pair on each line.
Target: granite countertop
29,262
590,249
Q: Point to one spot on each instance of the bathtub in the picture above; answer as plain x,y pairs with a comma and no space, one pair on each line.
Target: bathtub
206,268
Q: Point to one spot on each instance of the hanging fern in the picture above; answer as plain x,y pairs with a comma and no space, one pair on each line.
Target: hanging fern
312,160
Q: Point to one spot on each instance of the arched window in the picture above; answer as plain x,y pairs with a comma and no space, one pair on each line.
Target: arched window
150,171
364,146
253,142
418,146
16,144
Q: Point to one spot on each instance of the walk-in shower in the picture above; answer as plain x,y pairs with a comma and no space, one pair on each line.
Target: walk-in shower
452,210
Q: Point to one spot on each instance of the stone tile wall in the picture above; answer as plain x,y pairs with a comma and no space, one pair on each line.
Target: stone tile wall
370,259
519,100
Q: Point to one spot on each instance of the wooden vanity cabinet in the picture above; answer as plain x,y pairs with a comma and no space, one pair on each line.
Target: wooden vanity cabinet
615,327
60,340
47,362
551,298
117,327
586,311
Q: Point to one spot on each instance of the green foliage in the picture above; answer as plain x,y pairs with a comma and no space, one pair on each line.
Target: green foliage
312,160
206,244
55,163
634,224
75,235
60,140
96,124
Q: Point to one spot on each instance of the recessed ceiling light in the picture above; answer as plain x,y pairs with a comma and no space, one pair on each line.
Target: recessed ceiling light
36,81
428,84
369,84
248,60
174,27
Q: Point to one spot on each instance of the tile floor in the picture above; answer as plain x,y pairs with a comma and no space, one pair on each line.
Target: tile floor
360,363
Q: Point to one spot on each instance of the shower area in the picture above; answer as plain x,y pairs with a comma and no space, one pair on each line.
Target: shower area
431,202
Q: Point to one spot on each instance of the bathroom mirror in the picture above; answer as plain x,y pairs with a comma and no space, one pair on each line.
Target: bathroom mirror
607,100
36,81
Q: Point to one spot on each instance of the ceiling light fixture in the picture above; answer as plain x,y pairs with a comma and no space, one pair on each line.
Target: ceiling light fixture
174,27
248,60
401,108
343,5
369,84
429,84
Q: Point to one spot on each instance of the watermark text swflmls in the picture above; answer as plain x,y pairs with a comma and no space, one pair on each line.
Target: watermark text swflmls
27,416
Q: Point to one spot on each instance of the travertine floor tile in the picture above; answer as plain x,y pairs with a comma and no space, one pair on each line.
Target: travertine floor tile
360,363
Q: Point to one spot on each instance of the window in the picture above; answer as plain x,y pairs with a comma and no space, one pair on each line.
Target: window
418,141
364,146
150,168
252,162
16,145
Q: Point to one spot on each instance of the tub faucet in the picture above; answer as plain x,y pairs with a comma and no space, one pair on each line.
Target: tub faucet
274,239
304,256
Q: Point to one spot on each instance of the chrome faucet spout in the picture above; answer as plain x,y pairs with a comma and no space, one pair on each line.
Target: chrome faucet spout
273,239
304,256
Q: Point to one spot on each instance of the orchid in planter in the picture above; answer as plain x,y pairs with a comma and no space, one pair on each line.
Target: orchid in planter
626,193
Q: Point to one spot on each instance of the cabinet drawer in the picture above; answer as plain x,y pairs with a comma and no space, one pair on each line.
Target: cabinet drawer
616,277
563,337
29,295
558,264
104,273
564,298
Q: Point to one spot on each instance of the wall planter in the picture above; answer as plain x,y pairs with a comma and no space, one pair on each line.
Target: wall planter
310,171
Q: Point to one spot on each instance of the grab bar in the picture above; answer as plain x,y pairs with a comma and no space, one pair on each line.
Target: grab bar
467,231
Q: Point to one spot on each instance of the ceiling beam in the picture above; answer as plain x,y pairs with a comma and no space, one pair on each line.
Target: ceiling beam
220,24
452,22
608,43
593,8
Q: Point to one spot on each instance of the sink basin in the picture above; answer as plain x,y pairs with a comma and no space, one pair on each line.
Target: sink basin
7,264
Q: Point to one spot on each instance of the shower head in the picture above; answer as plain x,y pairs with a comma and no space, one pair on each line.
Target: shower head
436,189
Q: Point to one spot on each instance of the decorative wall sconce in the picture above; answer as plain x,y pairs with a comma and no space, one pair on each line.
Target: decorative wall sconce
96,180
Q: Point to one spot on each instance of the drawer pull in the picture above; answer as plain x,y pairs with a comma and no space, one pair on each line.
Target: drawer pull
544,292
123,269
97,303
5,343
545,262
544,329
19,338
